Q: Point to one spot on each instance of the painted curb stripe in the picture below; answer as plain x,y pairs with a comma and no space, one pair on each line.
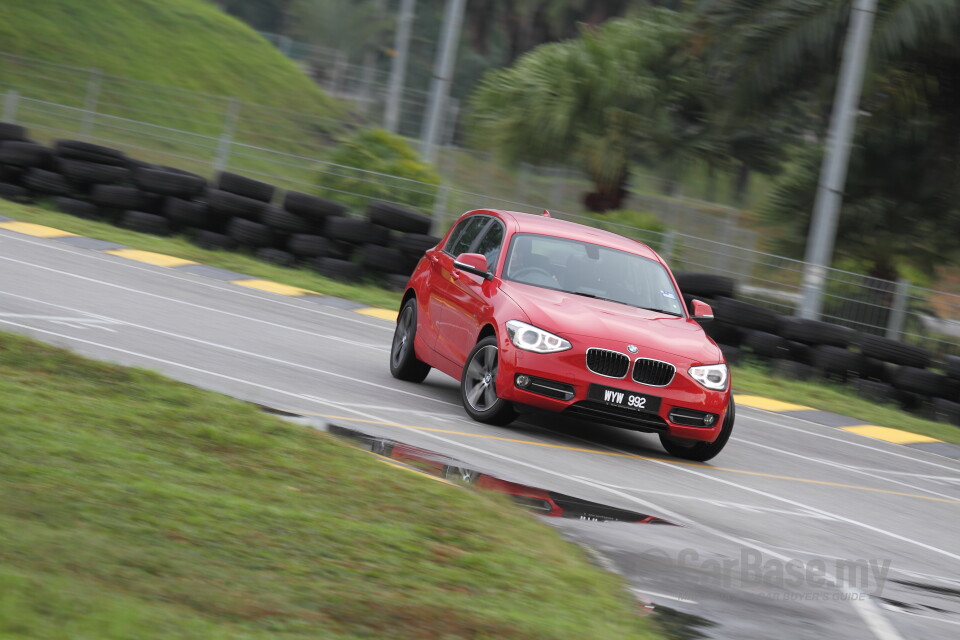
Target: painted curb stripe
767,404
275,287
890,435
383,314
149,257
36,230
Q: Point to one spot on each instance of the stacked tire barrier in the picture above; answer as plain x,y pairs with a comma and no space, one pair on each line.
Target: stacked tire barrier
875,367
232,212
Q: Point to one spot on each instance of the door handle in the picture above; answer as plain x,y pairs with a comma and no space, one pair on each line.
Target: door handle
455,275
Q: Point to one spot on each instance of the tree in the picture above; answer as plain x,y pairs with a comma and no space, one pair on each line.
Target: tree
629,91
901,203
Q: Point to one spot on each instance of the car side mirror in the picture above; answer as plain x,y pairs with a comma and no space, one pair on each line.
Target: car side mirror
702,312
475,263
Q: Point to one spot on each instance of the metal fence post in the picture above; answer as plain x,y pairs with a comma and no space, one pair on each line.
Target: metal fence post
669,242
90,102
440,205
226,136
10,103
898,309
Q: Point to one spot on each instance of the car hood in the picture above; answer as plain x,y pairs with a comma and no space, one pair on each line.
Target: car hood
569,315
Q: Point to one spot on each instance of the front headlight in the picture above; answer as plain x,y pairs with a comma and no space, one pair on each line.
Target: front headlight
530,338
712,376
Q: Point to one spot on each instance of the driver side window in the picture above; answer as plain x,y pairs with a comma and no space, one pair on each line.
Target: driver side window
463,236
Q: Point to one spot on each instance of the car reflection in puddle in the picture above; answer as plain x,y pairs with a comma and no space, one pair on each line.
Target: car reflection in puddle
540,501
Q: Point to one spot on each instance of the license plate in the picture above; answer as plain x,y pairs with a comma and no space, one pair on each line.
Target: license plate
623,398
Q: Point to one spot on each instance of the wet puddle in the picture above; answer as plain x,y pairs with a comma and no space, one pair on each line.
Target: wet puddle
539,500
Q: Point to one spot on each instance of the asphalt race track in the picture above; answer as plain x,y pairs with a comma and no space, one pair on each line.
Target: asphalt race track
795,530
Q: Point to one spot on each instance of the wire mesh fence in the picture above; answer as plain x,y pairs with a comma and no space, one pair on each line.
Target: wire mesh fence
895,309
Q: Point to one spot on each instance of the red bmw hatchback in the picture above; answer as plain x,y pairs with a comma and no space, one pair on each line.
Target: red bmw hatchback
533,312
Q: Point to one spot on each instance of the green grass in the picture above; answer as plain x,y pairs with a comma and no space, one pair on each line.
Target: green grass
134,506
187,44
748,379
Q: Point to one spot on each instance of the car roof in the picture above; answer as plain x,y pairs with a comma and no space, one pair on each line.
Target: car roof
545,225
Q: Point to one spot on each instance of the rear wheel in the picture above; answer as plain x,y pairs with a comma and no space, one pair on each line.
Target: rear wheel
478,385
697,449
403,360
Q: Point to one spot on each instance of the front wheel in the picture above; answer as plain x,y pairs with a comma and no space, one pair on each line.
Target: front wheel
697,449
404,364
478,385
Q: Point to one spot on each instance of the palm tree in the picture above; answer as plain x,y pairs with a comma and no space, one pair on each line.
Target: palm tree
628,91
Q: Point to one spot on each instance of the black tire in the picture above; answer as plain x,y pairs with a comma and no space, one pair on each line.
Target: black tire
731,354
251,234
817,332
766,345
952,367
800,352
225,204
383,259
416,243
746,315
14,192
356,231
67,147
277,256
46,182
78,208
723,333
706,284
946,411
313,246
283,220
119,197
187,213
396,281
83,172
246,187
478,386
888,350
25,154
10,173
921,381
337,269
398,218
404,364
10,131
791,369
876,391
837,362
311,207
145,223
206,239
697,449
170,183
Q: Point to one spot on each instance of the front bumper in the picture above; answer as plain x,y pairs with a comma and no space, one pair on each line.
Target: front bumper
560,382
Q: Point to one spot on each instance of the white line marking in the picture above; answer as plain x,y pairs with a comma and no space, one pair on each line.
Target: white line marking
654,594
868,614
888,451
846,468
197,280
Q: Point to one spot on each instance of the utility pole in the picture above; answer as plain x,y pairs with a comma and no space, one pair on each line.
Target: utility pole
398,65
833,171
442,70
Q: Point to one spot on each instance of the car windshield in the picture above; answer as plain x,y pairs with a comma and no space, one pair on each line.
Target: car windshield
591,270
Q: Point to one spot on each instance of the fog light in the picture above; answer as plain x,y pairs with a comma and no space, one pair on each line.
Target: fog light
523,381
708,419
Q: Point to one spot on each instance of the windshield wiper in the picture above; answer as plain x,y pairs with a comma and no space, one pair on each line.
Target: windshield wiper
663,311
596,297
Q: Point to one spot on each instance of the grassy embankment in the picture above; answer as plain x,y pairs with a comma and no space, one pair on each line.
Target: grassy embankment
186,44
134,506
748,379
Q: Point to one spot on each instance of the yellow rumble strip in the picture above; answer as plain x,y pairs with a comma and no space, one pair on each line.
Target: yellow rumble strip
156,259
767,404
383,314
274,287
890,435
37,230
